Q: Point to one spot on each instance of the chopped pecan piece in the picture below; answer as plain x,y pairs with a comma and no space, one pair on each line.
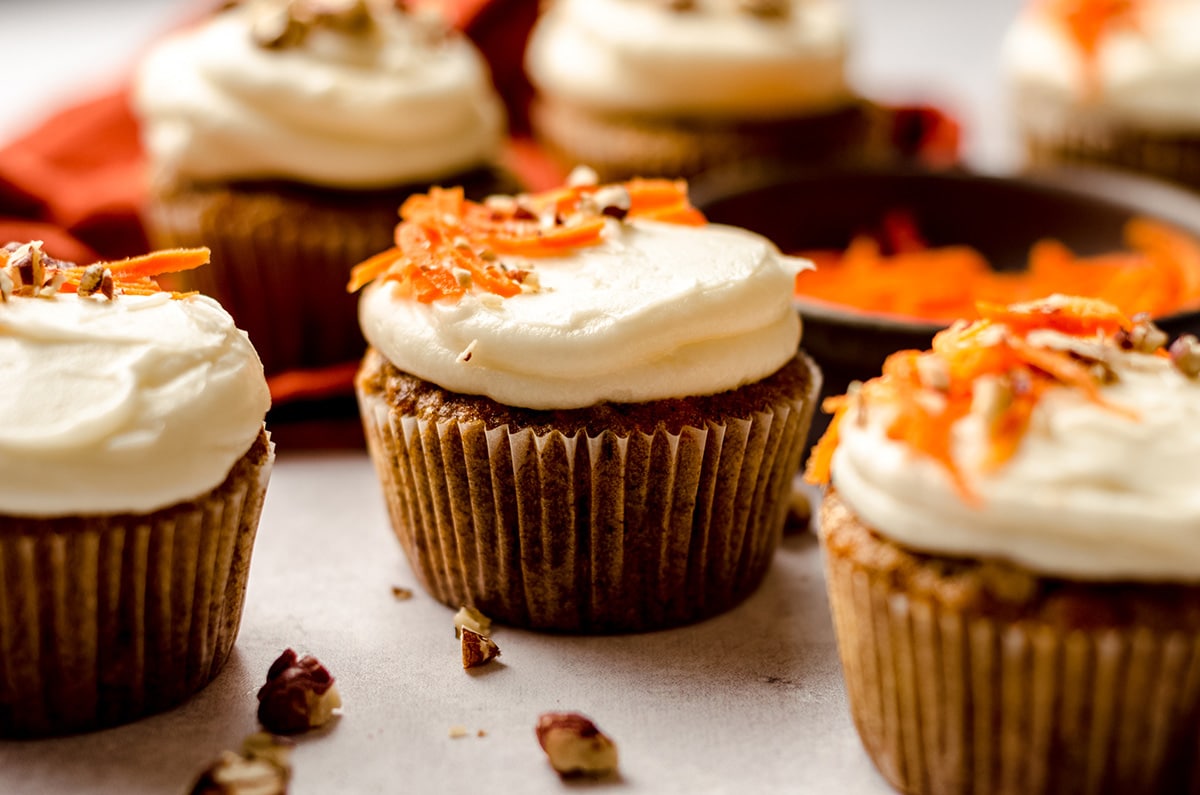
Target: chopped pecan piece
473,620
1185,355
299,695
263,768
477,649
575,746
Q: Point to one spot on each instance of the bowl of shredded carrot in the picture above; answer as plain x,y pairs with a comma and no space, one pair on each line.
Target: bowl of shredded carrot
902,253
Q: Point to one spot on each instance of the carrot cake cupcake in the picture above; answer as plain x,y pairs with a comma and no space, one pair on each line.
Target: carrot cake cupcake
670,87
284,135
1110,82
1011,556
585,406
134,462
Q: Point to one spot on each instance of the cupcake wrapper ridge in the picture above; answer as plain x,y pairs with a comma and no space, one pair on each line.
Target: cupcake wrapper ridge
575,533
105,619
951,702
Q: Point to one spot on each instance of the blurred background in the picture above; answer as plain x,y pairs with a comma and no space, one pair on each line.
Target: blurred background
944,52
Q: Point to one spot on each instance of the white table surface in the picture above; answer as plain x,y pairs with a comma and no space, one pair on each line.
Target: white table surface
751,701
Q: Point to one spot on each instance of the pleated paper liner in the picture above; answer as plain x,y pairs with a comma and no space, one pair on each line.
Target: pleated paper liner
282,255
107,618
1095,139
1099,693
622,146
610,532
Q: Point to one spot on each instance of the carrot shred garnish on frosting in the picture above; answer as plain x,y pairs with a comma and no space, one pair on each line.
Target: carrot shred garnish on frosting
994,367
1087,22
28,271
447,245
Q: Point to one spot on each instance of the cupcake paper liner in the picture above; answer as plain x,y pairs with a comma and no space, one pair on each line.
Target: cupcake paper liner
948,700
279,266
602,533
282,255
1093,138
623,146
108,618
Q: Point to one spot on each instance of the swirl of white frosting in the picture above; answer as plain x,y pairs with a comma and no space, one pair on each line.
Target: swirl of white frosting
653,311
1090,494
381,107
1147,74
714,61
128,406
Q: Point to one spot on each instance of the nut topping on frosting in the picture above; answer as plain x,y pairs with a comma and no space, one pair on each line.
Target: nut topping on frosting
27,271
574,746
280,25
1185,355
999,368
443,238
300,694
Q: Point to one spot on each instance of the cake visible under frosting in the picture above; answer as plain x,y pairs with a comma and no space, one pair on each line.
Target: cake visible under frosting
1141,65
635,310
123,405
1097,482
390,99
714,59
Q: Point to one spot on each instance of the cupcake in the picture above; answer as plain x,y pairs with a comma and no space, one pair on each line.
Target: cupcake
134,462
284,135
1113,83
671,87
585,406
1011,557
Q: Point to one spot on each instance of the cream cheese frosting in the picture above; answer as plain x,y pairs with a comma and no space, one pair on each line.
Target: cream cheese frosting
714,60
123,406
1146,73
390,104
1091,493
653,311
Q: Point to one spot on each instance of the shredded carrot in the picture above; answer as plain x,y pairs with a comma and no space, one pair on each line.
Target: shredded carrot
130,276
447,245
897,274
929,392
1088,22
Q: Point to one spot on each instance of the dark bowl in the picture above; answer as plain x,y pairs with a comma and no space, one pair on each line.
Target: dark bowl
1002,217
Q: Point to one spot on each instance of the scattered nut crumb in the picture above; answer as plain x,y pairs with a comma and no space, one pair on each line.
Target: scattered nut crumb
575,746
263,768
1185,355
467,352
401,593
473,620
300,694
477,649
481,733
458,732
582,176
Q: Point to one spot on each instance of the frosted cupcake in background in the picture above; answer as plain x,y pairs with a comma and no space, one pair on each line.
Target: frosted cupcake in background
671,87
284,135
1011,554
134,461
1106,82
586,407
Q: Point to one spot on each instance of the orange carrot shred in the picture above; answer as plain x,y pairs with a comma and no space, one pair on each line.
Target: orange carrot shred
929,392
447,245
